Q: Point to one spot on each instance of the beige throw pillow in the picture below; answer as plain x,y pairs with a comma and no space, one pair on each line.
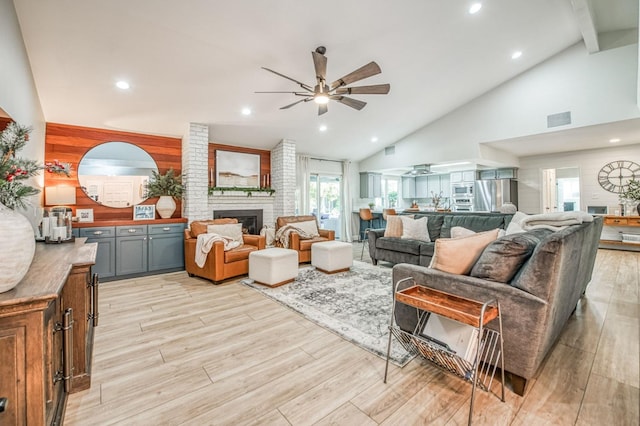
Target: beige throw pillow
309,227
457,256
459,231
231,230
415,229
394,227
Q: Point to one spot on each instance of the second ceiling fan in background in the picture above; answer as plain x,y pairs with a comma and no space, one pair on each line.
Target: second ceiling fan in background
322,92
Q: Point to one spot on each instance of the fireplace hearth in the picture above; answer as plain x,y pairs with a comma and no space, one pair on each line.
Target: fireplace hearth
251,220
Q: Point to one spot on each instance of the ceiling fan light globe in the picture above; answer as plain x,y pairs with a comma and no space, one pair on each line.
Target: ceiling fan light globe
321,99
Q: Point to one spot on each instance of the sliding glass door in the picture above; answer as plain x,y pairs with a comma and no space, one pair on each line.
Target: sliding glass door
325,202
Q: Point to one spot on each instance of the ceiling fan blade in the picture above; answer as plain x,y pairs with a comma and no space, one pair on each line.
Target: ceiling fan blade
353,103
320,64
304,86
376,89
322,109
296,102
360,74
293,93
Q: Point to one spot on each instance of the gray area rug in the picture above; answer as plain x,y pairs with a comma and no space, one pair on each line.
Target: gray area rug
355,305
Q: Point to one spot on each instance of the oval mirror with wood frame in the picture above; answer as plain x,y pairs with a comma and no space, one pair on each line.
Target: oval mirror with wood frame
115,174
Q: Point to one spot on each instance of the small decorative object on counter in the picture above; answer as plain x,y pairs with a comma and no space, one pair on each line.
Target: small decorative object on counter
372,205
508,208
167,187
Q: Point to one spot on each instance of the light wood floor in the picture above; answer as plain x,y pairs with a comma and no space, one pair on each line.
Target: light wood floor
173,350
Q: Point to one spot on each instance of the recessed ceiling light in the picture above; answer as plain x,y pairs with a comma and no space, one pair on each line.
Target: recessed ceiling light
374,139
516,54
614,140
323,128
246,111
475,8
122,85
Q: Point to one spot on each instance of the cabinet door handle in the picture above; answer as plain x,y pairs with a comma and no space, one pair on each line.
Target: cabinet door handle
67,349
132,231
150,238
166,228
94,297
97,232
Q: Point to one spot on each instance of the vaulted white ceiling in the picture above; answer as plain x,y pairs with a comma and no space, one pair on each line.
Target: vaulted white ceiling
199,61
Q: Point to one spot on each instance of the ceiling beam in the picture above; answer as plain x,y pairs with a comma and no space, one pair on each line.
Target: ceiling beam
586,22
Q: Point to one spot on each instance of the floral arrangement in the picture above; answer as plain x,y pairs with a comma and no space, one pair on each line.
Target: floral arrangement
436,199
15,169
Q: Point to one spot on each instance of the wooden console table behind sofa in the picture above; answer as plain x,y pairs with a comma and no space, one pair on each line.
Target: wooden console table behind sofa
46,334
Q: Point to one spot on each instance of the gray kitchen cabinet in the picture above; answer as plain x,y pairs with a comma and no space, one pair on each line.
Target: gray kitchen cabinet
487,174
469,176
408,187
445,185
455,177
433,185
422,187
370,185
105,265
506,174
166,246
131,249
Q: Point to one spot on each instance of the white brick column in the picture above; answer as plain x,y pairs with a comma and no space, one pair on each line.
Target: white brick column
195,176
283,178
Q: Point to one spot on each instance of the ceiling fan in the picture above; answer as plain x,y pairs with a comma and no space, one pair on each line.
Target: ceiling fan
322,92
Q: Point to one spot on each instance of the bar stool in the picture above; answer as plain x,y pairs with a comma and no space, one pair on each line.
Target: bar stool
387,212
366,216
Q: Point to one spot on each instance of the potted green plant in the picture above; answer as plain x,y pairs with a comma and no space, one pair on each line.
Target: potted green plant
632,194
166,186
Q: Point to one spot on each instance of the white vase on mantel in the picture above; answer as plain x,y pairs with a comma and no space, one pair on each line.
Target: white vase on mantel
17,246
165,206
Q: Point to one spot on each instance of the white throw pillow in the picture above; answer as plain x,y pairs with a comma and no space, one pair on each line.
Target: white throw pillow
310,227
229,230
515,226
415,229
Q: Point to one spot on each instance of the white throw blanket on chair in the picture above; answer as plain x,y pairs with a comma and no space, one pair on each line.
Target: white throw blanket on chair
282,235
555,221
205,243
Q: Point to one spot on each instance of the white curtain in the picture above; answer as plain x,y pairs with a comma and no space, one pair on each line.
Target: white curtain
346,201
302,183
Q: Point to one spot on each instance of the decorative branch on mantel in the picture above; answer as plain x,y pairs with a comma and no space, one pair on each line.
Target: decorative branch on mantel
213,190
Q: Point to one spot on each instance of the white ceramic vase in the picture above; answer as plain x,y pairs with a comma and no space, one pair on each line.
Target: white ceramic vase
165,206
17,246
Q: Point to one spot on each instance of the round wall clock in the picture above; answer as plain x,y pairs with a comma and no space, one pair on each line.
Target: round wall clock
615,176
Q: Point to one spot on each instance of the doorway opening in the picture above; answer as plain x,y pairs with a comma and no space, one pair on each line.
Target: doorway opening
560,189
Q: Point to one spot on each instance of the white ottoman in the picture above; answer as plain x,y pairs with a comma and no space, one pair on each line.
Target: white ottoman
332,256
273,266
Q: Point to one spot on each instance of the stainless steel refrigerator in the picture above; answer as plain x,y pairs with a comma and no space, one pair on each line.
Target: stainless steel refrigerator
489,195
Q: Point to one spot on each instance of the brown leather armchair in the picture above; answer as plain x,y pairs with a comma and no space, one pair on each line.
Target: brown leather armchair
220,264
303,247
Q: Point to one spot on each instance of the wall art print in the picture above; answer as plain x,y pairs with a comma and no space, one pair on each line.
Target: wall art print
237,169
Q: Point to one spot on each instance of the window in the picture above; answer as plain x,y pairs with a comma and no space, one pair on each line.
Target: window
390,189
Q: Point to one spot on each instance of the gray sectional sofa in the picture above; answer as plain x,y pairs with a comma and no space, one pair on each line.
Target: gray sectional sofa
439,224
536,302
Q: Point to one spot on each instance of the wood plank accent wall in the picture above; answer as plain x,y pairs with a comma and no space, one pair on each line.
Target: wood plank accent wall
68,144
265,159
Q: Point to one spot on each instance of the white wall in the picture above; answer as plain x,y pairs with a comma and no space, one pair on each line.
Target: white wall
18,95
597,88
588,161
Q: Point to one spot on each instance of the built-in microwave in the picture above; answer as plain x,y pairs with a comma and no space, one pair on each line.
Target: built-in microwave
462,189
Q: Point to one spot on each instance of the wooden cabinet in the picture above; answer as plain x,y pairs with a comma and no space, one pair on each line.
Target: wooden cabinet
616,228
39,341
370,185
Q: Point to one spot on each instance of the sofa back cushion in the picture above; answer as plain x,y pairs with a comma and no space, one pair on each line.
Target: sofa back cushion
457,256
502,259
474,222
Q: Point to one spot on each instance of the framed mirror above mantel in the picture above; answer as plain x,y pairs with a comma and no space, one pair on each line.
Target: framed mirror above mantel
69,144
